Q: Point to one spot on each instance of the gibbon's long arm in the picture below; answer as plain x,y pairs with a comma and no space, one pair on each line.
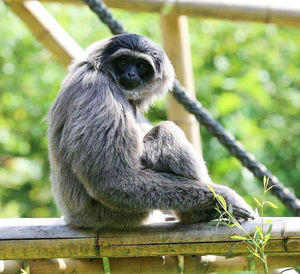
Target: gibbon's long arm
166,149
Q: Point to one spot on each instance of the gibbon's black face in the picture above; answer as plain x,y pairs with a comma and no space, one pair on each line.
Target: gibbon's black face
136,67
132,71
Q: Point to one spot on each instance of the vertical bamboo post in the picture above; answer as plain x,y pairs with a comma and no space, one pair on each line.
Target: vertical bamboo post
176,44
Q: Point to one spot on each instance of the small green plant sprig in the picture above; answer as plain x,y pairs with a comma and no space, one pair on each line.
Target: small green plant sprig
255,243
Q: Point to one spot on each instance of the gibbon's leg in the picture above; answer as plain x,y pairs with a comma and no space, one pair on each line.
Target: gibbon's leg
166,149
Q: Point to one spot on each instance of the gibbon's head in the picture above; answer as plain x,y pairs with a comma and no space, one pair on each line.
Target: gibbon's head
139,67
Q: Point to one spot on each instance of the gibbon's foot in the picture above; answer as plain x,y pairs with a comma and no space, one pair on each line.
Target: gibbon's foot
241,210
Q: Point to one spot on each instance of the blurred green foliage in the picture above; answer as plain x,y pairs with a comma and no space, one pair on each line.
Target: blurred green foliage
246,74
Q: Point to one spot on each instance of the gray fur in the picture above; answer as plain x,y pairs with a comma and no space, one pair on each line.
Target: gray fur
104,172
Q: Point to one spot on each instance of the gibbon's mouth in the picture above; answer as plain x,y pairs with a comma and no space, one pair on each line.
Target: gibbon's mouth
132,94
130,84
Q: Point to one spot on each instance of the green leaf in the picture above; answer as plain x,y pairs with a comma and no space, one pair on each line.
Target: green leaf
270,229
250,242
212,190
271,204
238,237
255,254
212,222
268,189
218,209
229,253
257,201
265,181
259,230
224,224
222,201
266,238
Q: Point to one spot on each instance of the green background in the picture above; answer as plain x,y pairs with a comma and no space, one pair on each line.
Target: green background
246,74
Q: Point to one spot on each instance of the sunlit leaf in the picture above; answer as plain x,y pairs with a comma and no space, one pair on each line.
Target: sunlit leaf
222,201
255,254
238,237
266,182
257,201
259,230
271,204
212,190
269,188
266,238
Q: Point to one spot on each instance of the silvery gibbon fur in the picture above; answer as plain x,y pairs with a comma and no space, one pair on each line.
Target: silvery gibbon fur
104,171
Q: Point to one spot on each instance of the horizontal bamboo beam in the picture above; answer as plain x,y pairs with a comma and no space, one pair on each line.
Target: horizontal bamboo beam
275,11
52,238
47,30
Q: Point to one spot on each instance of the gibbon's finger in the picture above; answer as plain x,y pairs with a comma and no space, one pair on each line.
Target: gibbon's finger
243,213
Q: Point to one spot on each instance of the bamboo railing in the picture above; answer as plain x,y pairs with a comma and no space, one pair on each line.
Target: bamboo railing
46,239
266,11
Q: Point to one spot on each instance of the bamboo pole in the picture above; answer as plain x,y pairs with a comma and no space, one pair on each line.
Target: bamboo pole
52,238
265,11
10,266
176,44
48,31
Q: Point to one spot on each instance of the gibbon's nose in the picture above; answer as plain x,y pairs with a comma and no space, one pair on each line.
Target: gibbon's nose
131,74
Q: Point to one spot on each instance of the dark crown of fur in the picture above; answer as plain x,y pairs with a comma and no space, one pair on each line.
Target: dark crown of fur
134,43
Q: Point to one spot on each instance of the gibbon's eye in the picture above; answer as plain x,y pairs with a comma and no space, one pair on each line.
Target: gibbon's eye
123,62
140,65
143,68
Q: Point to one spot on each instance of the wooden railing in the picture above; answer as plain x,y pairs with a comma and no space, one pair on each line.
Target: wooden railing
31,239
266,11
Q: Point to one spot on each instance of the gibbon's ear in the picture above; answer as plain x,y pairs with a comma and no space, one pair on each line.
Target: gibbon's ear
168,74
92,54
